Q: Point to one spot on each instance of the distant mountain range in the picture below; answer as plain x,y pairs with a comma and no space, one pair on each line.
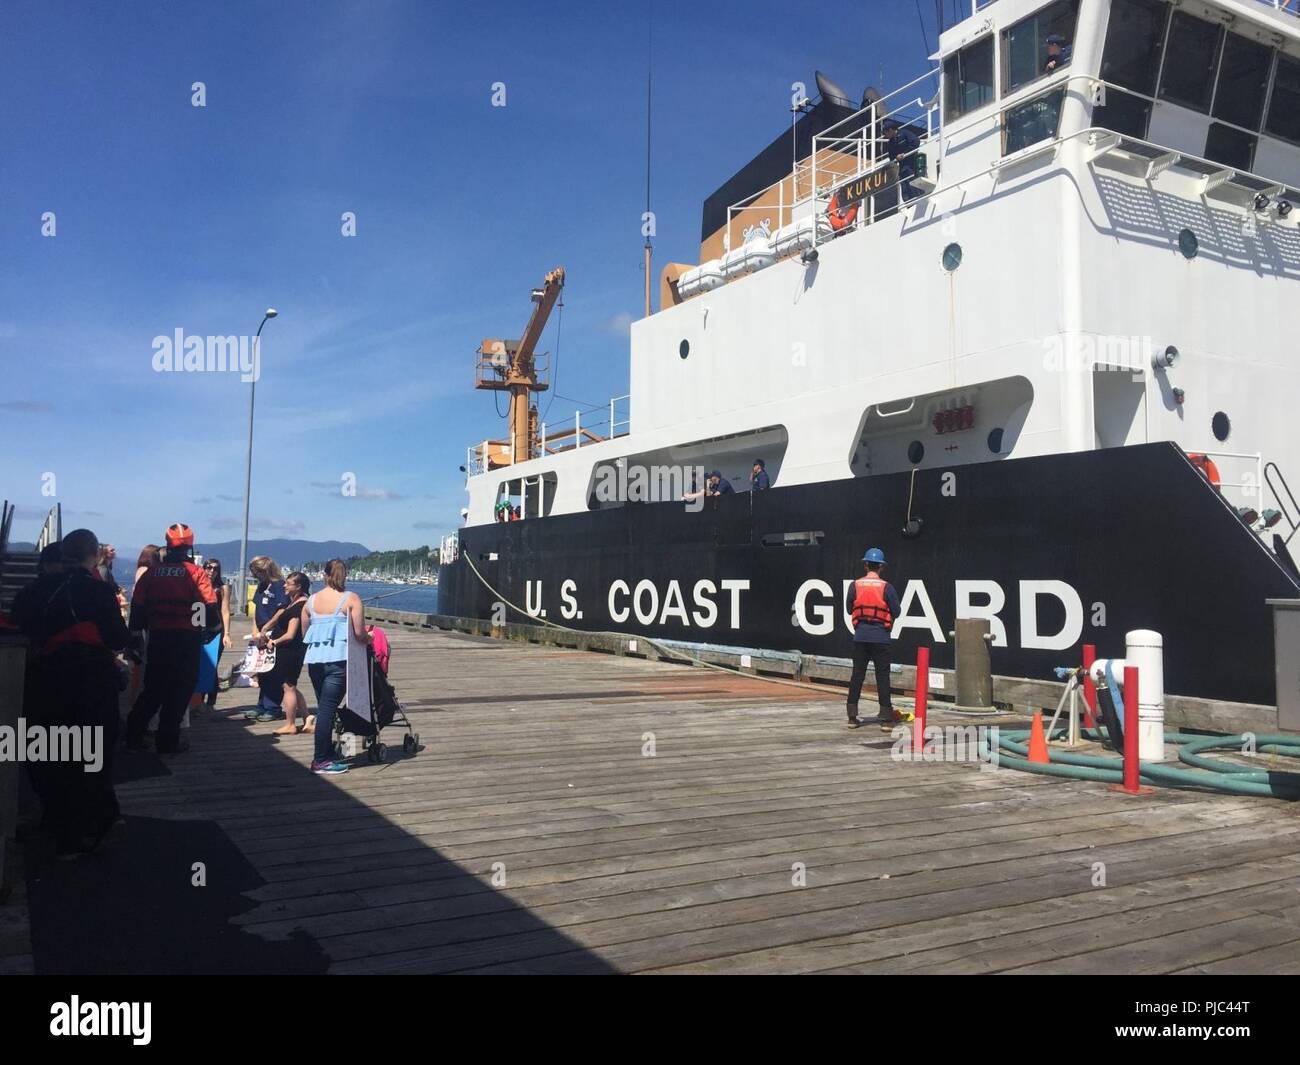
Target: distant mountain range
288,553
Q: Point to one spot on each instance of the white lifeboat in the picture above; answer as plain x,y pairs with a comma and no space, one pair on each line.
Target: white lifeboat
704,278
801,235
750,256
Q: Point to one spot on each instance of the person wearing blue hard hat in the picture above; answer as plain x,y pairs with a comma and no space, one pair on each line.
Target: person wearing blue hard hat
872,603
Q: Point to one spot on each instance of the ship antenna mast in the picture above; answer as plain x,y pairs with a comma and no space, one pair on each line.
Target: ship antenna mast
647,225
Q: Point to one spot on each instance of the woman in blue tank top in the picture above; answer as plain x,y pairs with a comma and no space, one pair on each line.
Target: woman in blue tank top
329,616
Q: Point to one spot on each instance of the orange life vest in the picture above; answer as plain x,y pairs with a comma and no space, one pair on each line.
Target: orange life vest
869,602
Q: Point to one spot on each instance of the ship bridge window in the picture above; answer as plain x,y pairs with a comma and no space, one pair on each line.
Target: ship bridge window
1243,81
1131,57
1190,59
1032,121
1124,113
968,79
1231,147
1024,46
1284,107
1131,61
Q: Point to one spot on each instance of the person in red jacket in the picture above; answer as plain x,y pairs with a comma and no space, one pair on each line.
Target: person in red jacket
175,604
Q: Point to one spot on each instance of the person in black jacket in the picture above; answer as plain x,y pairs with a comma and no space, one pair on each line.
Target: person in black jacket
75,627
902,145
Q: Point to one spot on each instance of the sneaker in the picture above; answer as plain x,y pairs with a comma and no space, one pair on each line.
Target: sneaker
269,715
251,715
855,722
329,767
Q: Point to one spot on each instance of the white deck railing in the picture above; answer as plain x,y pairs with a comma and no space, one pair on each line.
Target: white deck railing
592,425
856,139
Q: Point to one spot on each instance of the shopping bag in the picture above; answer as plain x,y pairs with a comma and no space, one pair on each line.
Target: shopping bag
258,659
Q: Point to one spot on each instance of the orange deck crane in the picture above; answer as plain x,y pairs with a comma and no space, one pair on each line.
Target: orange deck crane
509,366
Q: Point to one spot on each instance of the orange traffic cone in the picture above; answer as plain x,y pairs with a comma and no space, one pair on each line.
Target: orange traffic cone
1038,741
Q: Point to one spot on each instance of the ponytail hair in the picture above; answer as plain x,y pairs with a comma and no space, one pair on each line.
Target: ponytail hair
336,574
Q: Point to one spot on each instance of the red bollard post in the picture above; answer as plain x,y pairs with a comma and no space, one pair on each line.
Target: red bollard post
922,698
1089,688
1131,785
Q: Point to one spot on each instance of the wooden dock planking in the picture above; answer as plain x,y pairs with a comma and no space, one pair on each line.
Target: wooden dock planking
682,862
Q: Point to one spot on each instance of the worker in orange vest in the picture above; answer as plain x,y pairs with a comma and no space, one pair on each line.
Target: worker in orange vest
872,604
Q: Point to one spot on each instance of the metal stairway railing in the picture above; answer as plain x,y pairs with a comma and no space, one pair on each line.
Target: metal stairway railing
1286,504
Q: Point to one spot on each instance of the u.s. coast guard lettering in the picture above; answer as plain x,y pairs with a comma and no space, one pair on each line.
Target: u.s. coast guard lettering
706,604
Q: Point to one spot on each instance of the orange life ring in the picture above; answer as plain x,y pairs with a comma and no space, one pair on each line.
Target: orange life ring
841,217
1207,467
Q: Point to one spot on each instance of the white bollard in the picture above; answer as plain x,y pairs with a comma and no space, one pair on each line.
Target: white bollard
1146,651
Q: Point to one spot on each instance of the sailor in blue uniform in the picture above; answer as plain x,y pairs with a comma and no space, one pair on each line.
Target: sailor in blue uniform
902,145
718,485
1058,53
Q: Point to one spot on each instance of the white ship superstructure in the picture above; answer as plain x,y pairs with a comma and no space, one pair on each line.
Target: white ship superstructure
1025,323
1075,225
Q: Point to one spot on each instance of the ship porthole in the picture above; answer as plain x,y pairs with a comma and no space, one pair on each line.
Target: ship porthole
1222,426
684,348
1188,244
952,257
995,441
915,452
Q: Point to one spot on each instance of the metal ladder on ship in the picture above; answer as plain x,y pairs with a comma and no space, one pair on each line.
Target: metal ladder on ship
1290,511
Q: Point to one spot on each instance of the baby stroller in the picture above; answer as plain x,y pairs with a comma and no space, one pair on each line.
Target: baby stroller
384,710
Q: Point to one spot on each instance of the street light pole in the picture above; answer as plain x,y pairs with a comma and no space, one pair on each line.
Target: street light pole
241,579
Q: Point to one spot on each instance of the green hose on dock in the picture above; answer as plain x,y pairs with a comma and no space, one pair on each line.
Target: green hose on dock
1209,772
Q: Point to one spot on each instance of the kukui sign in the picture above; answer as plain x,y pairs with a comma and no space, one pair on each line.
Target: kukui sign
866,185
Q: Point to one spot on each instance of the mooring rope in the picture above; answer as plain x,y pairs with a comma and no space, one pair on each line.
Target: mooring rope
667,651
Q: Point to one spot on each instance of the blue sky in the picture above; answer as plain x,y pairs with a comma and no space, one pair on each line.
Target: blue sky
173,216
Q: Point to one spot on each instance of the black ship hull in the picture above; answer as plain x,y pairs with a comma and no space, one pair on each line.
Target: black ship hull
1062,550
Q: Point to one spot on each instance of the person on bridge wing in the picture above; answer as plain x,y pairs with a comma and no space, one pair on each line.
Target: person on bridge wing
902,144
872,603
175,603
1058,53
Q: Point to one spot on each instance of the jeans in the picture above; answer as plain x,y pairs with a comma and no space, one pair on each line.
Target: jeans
878,653
329,681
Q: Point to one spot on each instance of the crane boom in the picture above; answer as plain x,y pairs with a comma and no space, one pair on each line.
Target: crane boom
508,365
